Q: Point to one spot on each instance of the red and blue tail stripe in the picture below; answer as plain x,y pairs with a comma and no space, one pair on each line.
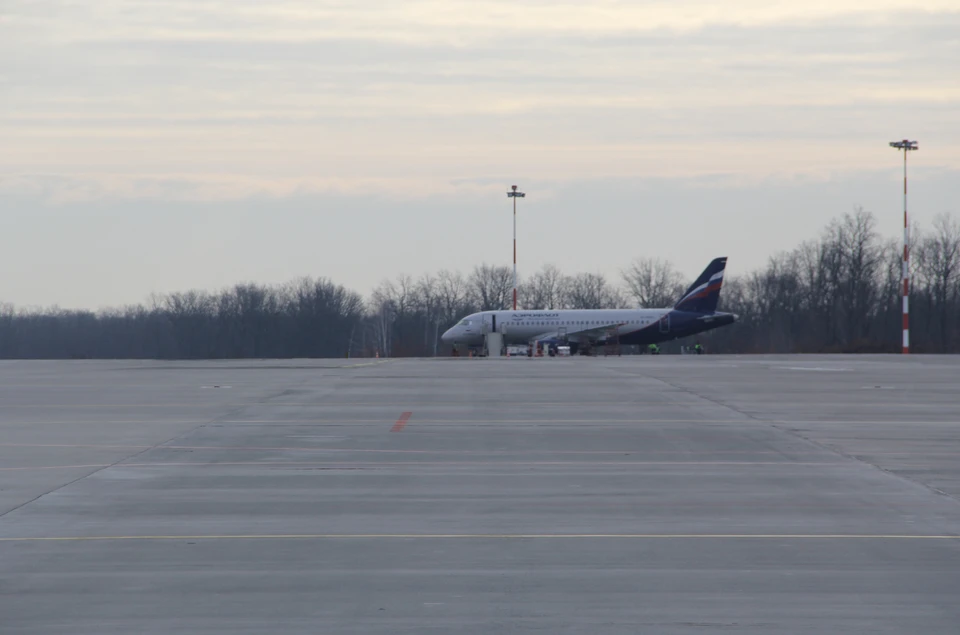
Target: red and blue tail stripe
704,294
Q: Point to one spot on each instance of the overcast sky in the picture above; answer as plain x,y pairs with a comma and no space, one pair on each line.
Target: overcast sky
157,146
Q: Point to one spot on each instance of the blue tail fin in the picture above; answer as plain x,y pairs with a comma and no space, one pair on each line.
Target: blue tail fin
703,295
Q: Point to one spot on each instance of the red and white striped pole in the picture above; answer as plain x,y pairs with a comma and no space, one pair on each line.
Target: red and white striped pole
906,146
514,194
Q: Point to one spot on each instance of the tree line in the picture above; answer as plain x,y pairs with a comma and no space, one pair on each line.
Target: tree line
840,292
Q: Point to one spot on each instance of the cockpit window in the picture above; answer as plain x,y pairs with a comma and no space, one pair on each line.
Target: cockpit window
464,322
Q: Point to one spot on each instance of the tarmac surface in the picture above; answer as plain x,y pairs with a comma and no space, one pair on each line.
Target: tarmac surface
605,495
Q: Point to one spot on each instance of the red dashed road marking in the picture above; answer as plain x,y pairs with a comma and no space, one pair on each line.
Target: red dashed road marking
401,422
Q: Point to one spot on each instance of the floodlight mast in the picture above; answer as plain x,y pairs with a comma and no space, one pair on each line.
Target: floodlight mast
906,145
514,194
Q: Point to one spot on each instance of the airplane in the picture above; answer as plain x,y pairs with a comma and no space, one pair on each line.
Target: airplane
584,329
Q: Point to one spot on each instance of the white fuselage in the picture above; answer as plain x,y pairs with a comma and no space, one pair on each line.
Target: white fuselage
575,325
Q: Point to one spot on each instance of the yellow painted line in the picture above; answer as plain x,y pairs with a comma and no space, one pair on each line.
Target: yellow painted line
457,421
53,467
83,446
366,465
453,422
377,363
346,421
100,423
201,401
328,450
488,537
421,423
197,404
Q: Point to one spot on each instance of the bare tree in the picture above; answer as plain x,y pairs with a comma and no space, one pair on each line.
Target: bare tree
492,287
653,282
429,311
774,292
938,265
383,305
862,256
545,289
453,292
321,318
189,314
591,291
840,292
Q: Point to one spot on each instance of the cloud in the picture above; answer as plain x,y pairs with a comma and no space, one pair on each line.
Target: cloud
102,249
390,108
462,21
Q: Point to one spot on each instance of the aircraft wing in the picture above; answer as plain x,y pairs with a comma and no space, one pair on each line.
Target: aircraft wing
596,332
592,333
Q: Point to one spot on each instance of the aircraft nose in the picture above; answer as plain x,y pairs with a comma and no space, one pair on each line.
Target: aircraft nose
447,335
